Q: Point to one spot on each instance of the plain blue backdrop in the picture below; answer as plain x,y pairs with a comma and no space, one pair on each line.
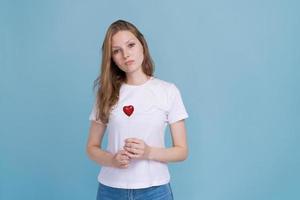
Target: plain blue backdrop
236,63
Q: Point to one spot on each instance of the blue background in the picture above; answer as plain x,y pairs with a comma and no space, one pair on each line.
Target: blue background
236,63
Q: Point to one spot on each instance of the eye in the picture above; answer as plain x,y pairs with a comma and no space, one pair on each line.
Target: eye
130,45
115,51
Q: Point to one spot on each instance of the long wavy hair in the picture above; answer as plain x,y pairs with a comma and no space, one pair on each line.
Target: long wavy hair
110,79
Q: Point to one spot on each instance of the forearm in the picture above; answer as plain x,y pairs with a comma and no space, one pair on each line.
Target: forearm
172,154
100,156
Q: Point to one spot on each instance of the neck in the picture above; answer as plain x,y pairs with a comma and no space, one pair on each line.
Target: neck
136,79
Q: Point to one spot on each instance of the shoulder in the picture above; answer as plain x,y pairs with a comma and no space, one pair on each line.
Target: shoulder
165,85
167,88
164,90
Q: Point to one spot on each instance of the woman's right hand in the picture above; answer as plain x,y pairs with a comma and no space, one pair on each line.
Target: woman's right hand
121,160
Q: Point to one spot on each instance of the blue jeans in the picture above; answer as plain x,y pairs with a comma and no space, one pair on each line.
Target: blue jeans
161,192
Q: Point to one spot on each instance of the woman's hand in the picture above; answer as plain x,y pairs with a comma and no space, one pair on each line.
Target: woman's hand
120,160
136,148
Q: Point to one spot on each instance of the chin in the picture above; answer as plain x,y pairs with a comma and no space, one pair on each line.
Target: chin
131,69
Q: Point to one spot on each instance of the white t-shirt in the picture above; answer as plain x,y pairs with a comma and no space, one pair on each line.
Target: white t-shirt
155,103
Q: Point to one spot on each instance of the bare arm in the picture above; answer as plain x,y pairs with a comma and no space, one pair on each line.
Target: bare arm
94,149
178,152
95,152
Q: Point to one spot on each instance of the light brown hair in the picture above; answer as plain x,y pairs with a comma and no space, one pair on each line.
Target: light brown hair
109,81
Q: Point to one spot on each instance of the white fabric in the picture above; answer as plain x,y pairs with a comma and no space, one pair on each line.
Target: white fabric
156,103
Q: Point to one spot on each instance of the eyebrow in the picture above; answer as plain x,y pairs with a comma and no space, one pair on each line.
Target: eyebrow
125,43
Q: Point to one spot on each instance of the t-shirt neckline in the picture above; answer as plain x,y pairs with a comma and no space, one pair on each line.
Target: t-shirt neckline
141,85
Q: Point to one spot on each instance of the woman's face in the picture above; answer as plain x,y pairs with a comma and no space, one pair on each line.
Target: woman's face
127,52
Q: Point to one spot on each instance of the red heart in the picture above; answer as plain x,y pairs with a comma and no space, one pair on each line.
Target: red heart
128,110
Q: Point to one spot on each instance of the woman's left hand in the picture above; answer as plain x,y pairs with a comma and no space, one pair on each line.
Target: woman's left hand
137,148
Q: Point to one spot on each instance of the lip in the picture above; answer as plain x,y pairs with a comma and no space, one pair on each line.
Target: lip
129,62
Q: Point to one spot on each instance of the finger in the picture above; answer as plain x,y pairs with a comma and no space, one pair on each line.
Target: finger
131,150
125,157
124,166
120,157
136,146
128,150
124,162
133,140
122,152
131,155
135,153
129,144
134,156
128,154
132,145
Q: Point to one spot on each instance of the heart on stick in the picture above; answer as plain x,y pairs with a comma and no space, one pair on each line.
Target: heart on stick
128,110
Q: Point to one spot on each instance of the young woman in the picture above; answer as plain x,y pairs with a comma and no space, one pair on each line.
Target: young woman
134,108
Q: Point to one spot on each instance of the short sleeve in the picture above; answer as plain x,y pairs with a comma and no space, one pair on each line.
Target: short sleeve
93,114
176,109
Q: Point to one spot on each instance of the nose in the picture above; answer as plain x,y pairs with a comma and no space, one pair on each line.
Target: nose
125,54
